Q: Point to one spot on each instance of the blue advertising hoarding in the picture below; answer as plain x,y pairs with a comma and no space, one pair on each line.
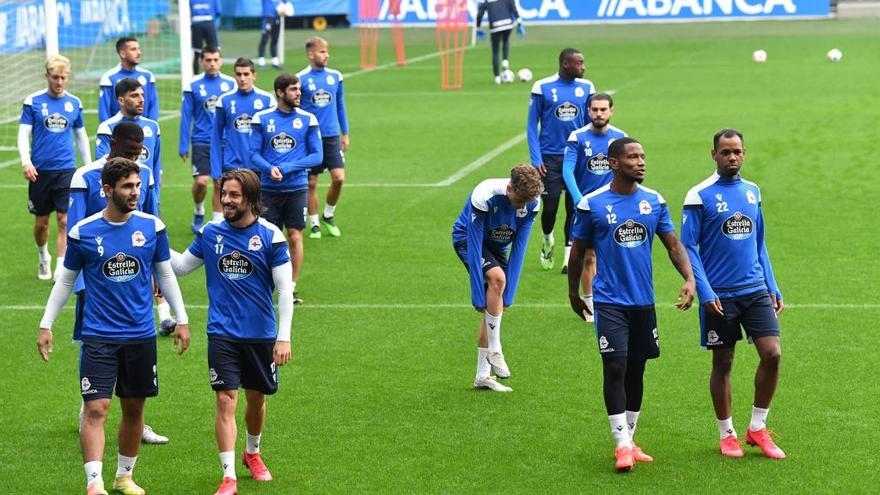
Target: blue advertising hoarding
254,8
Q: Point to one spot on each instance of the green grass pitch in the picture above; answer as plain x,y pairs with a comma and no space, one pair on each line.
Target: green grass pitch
378,397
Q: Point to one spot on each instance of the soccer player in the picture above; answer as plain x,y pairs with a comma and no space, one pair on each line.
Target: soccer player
117,250
48,120
490,237
197,120
323,96
585,169
271,29
558,106
619,220
285,143
203,15
129,51
245,257
130,97
503,17
230,141
87,198
723,230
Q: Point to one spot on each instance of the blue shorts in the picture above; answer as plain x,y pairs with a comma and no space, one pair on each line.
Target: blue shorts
288,209
753,313
249,365
553,182
333,156
626,331
130,365
492,257
201,159
50,192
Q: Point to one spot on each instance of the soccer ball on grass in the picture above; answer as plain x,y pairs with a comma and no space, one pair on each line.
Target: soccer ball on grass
524,75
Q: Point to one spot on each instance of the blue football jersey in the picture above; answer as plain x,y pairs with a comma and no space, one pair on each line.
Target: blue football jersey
107,104
290,141
52,122
621,227
117,265
558,106
87,197
489,217
151,153
230,142
585,162
324,97
722,228
197,109
238,273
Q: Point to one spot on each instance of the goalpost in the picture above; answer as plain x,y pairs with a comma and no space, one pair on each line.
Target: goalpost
85,31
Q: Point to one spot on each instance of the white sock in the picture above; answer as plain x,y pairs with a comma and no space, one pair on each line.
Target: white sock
632,420
483,366
619,430
261,61
725,428
505,64
125,465
93,472
293,288
313,220
548,238
44,252
759,418
275,61
200,208
329,210
253,443
567,252
216,215
164,311
493,328
227,462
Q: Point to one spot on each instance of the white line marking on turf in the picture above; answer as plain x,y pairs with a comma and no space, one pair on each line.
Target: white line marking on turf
33,307
7,163
479,162
420,58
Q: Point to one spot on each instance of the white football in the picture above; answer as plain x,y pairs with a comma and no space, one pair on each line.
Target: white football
759,56
524,75
507,76
285,8
834,55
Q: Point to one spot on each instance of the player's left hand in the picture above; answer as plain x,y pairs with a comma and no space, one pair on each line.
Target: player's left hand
345,142
44,343
521,31
184,156
181,338
686,295
778,305
281,353
276,174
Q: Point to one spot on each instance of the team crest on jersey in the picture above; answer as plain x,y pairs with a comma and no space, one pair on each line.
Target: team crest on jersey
331,80
321,98
121,268
579,92
242,123
282,143
567,112
258,104
145,155
202,91
235,266
502,233
645,207
598,164
224,86
211,103
738,226
750,196
297,123
68,106
138,239
255,244
712,338
55,123
630,234
142,80
148,132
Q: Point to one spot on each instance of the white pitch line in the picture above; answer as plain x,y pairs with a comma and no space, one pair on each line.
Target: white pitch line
8,163
33,307
479,162
394,64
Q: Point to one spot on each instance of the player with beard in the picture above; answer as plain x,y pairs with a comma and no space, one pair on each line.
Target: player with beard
197,125
285,144
619,220
585,169
722,227
50,118
129,51
245,258
117,250
558,107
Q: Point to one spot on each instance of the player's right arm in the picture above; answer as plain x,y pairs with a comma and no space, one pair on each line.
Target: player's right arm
475,255
73,263
691,232
151,109
105,98
169,286
481,11
79,193
581,239
186,116
569,160
532,132
25,129
217,132
102,140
